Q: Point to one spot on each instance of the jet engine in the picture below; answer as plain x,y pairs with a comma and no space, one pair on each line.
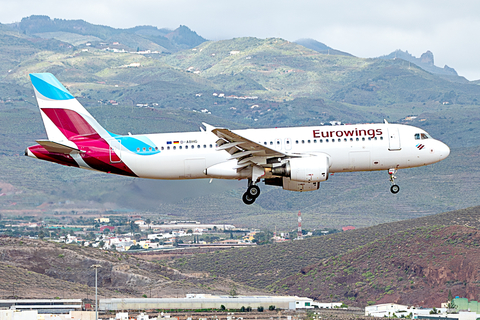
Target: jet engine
301,174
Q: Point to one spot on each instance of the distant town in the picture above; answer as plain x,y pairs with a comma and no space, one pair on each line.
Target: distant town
135,233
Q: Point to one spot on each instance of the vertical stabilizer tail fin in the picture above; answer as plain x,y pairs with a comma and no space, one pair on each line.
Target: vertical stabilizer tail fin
65,119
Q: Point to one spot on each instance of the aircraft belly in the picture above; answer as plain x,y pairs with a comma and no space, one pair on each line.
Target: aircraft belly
171,167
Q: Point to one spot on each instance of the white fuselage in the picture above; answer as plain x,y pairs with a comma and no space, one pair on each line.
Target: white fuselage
363,147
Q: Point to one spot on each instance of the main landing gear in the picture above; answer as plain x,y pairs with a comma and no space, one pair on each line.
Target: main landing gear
252,193
394,188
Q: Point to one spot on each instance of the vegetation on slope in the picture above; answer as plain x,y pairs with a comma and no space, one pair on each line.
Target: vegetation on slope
262,266
414,267
34,268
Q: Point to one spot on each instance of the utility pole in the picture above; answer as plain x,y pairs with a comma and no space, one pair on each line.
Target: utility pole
96,266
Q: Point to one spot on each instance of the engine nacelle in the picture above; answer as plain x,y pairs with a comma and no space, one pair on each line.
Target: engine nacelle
288,184
307,169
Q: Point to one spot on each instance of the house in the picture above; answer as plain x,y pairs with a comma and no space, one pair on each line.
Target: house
111,228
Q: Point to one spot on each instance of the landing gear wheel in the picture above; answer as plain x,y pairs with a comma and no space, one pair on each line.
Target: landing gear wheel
253,191
394,189
248,199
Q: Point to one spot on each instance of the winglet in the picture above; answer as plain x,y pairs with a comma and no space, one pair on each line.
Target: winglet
208,127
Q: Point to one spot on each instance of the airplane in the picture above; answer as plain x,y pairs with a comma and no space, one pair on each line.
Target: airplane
294,158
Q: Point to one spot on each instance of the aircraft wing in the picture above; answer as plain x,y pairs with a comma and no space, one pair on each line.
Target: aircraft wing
244,150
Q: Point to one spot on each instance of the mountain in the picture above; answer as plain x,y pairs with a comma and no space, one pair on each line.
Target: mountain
320,47
79,32
426,62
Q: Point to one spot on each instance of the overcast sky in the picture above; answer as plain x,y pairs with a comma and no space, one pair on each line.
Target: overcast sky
368,28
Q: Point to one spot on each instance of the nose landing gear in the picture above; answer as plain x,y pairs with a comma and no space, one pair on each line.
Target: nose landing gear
252,193
394,188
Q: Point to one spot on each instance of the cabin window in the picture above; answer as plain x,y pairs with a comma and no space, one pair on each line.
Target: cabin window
144,149
186,147
303,141
288,141
296,141
339,140
351,139
375,138
333,140
150,149
138,149
345,139
326,140
192,146
369,138
278,141
161,148
381,138
204,146
363,138
321,140
211,146
180,147
174,147
156,148
314,140
271,142
265,143
168,148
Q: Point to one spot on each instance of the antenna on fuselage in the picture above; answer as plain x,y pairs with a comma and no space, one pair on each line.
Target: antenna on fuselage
385,121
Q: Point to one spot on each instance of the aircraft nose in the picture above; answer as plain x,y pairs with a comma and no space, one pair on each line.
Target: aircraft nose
443,150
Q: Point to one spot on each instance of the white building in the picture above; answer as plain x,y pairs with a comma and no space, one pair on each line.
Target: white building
393,310
207,301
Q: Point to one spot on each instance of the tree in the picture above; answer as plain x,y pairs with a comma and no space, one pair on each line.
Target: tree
134,227
263,237
450,296
233,291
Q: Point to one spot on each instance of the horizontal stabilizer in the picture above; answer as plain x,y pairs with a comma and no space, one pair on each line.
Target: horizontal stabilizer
56,147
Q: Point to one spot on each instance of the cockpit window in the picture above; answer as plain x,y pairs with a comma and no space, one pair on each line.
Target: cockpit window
421,136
